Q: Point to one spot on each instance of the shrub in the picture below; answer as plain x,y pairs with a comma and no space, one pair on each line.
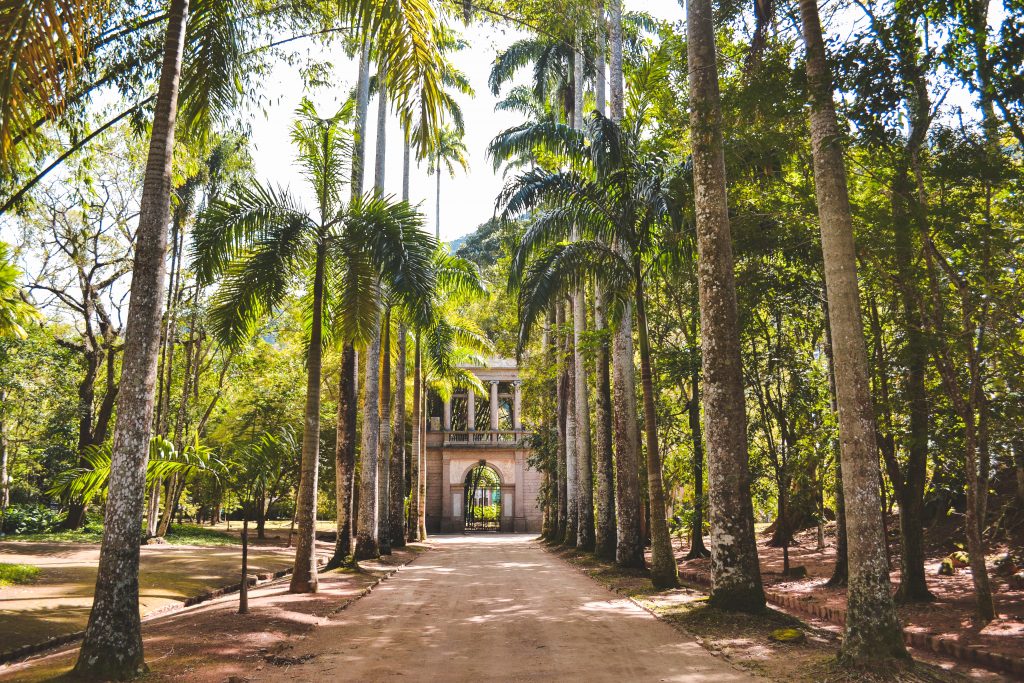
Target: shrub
28,518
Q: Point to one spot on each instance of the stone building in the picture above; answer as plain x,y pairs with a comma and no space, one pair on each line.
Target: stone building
477,472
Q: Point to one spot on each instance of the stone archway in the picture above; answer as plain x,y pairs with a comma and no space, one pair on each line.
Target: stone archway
483,498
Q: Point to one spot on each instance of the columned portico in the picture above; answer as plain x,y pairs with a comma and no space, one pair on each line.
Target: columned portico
463,447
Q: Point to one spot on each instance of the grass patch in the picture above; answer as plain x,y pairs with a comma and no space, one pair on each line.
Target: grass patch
192,534
16,573
179,534
91,533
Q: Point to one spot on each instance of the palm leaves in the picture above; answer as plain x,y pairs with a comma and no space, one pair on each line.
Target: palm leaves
612,194
85,483
15,312
44,44
260,242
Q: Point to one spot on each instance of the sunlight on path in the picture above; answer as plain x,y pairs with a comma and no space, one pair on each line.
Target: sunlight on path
498,608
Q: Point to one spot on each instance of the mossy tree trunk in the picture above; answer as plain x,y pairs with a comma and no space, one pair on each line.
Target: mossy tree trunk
735,573
871,634
112,645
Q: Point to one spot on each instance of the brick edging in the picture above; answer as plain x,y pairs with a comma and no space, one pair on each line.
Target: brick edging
31,649
970,654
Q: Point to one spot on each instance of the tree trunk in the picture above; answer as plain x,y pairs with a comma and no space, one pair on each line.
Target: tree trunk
397,512
345,453
571,456
697,548
362,107
604,532
604,546
562,400
871,633
422,455
243,587
112,645
414,460
384,482
366,537
437,216
735,573
840,574
912,476
304,575
629,551
584,493
664,572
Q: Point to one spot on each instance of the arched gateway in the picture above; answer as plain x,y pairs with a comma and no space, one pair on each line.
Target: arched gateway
477,474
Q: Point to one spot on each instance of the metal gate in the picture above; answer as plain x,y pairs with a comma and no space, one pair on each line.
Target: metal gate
482,502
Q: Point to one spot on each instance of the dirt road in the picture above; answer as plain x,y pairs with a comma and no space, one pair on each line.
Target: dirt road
497,608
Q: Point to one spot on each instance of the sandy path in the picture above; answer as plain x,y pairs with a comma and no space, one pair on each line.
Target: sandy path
497,608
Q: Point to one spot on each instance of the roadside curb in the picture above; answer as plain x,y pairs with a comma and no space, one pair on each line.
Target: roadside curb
968,654
259,580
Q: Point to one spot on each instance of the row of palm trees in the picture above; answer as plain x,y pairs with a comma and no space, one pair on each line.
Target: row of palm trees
599,208
46,48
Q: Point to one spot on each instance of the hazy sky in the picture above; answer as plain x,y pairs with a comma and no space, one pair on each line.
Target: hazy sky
466,200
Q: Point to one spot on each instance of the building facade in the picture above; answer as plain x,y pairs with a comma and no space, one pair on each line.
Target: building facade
477,471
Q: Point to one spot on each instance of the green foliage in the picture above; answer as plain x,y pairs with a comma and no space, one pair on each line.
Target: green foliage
29,518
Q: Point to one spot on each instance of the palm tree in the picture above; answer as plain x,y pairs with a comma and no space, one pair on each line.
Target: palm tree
871,632
448,151
619,196
259,239
440,345
112,646
736,575
15,312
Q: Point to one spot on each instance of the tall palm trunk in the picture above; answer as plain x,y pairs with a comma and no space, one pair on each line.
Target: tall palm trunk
384,470
397,512
604,461
366,535
304,575
112,646
604,538
414,460
362,106
664,572
437,214
735,573
384,475
422,455
584,494
345,449
629,550
562,403
345,453
572,510
871,632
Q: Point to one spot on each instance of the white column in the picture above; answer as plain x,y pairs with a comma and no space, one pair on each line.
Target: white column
517,404
494,405
470,409
447,419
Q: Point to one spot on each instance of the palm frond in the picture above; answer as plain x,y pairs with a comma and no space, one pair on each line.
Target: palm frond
526,138
562,269
228,226
213,64
43,46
